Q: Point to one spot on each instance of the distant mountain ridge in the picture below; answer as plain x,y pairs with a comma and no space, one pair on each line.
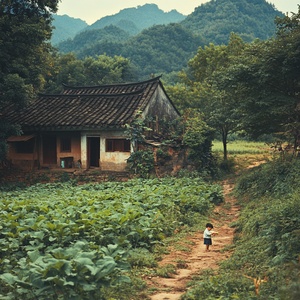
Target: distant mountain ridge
167,47
131,20
65,28
249,18
141,17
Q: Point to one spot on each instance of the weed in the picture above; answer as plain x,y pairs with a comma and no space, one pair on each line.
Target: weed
166,271
183,248
181,264
64,177
142,258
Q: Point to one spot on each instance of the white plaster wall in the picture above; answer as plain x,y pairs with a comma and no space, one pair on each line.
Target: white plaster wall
115,161
83,142
109,161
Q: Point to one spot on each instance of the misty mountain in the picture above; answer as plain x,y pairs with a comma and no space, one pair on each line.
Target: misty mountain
139,18
168,47
131,20
88,39
250,19
65,28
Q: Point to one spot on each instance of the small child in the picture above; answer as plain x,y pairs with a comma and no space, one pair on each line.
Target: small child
207,235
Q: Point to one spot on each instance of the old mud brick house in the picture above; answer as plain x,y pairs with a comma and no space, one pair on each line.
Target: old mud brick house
84,126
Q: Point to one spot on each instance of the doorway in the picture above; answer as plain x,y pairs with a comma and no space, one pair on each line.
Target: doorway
93,151
49,150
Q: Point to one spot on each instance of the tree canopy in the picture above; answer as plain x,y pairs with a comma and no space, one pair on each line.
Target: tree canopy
268,75
249,87
102,69
25,59
205,80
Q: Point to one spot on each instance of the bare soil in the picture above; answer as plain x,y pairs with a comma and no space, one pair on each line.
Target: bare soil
196,259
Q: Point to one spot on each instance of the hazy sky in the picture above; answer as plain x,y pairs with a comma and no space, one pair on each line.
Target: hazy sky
92,10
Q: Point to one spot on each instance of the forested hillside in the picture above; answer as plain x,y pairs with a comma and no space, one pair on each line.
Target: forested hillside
93,39
167,48
65,28
133,20
159,49
130,20
250,19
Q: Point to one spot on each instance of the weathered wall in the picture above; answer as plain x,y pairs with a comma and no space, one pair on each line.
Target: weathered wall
160,106
115,161
75,152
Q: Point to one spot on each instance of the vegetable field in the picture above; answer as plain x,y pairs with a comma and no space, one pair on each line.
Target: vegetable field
63,241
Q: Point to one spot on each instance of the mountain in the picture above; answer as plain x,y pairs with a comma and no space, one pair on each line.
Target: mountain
250,19
131,20
168,47
88,39
134,20
65,28
158,49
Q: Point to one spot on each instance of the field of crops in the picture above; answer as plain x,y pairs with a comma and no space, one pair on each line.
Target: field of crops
64,241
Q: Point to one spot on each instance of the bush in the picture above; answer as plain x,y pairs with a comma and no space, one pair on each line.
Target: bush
141,257
141,163
276,178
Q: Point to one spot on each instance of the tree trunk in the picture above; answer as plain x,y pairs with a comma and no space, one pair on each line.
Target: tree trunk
224,140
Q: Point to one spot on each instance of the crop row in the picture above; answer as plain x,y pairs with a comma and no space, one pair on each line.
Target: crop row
59,240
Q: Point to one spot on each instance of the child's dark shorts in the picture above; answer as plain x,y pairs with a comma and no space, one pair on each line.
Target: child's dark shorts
207,242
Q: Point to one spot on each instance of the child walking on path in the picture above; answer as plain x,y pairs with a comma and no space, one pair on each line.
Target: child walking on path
207,235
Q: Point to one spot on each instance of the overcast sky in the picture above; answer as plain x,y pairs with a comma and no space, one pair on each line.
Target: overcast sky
93,10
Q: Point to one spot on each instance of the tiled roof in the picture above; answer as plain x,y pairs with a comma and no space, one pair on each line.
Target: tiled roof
87,107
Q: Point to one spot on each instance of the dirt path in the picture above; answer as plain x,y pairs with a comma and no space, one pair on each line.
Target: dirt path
197,258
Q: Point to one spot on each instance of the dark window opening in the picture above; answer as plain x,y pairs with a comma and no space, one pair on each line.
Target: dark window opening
121,145
25,147
65,144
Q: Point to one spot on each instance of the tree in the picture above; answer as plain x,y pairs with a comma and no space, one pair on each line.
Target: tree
198,137
102,69
207,76
25,28
269,78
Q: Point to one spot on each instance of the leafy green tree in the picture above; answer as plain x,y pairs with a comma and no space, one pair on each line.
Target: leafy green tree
24,58
268,77
25,28
207,77
104,69
198,137
101,69
66,69
182,96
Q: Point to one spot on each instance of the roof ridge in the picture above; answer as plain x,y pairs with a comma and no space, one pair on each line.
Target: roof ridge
139,91
113,84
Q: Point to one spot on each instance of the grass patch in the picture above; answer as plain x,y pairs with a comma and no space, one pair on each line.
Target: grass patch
166,271
242,155
242,147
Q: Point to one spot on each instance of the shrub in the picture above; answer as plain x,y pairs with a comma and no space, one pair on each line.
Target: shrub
276,178
141,163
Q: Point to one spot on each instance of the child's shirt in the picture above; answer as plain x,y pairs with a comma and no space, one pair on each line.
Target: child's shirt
207,234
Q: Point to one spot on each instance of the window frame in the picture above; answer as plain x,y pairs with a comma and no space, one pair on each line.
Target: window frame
117,145
65,144
25,147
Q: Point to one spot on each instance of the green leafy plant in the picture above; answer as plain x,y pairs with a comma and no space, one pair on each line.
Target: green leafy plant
56,239
166,271
75,272
141,162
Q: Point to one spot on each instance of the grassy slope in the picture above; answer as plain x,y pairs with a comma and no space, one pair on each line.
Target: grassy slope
265,263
